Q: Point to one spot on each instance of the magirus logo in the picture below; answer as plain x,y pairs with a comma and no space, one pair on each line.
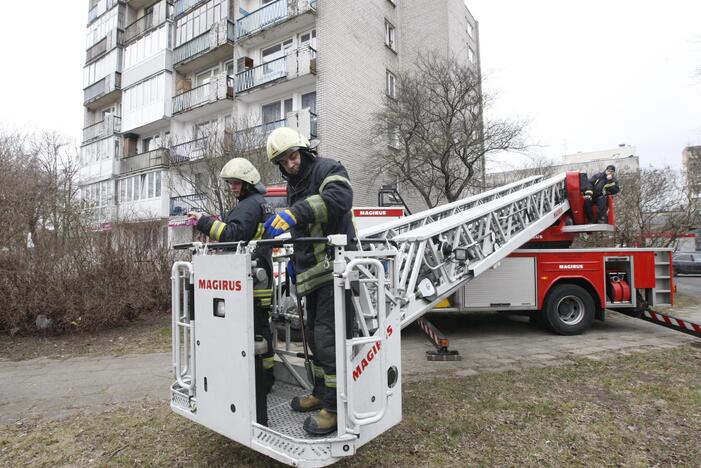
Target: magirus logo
572,266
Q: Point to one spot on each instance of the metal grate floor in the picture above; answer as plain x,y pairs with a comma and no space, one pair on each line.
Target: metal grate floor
281,418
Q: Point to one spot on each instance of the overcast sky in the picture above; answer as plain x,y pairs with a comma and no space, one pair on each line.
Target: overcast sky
587,75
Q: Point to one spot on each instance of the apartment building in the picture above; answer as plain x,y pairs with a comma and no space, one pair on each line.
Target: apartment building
161,77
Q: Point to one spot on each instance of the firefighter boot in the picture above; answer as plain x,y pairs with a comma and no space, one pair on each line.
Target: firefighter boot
322,423
306,403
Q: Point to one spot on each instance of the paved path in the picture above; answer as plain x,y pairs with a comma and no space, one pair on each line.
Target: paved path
487,342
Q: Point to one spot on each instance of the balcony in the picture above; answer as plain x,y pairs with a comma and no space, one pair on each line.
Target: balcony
143,161
179,206
99,7
304,121
219,90
298,64
102,92
183,6
255,137
114,38
210,47
155,17
189,151
290,15
109,126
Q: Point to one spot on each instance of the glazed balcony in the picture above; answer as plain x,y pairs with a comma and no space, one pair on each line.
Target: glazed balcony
111,125
278,19
155,17
99,7
220,91
183,6
103,92
211,46
143,161
300,65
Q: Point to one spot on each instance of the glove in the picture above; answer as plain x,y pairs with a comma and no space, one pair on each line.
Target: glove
291,273
282,222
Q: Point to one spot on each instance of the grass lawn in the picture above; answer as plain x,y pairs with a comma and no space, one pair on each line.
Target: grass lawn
642,409
150,334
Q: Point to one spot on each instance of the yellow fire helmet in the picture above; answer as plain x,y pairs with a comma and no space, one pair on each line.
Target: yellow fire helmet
282,141
242,169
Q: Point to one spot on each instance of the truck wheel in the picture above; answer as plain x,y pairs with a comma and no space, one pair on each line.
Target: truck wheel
569,309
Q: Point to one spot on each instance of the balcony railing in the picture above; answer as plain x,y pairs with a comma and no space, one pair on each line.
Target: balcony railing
155,17
261,74
223,32
111,82
261,18
139,26
179,206
148,160
256,137
102,128
204,94
189,151
113,39
191,48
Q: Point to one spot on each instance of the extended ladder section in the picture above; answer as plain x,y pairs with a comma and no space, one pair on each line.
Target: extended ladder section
441,252
390,229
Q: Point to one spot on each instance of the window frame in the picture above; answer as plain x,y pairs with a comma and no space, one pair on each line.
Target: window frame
390,84
390,36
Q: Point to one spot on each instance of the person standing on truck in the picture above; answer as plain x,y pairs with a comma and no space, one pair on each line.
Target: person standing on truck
601,185
320,198
245,222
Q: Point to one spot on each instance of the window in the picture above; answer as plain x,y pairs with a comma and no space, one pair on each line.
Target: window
204,77
276,111
393,2
470,29
391,85
146,145
471,55
309,100
308,39
390,40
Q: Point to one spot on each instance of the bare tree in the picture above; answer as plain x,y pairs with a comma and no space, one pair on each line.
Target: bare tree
654,208
197,167
437,132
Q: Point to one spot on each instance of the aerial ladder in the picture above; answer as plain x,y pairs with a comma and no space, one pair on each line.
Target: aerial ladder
394,273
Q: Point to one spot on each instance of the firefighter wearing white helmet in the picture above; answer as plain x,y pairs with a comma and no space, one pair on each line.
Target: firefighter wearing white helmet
320,198
245,222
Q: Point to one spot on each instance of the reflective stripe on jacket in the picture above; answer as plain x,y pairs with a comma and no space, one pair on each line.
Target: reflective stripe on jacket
320,199
244,223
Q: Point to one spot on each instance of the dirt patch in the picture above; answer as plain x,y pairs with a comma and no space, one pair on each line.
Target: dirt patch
150,334
643,409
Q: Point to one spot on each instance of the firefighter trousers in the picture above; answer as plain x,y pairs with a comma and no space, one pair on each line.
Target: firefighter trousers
261,326
601,203
321,332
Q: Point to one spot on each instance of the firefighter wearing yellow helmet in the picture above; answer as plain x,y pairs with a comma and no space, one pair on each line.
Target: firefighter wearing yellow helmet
320,198
245,222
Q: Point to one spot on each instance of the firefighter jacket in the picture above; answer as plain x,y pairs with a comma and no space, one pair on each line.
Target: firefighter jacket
245,223
320,197
599,185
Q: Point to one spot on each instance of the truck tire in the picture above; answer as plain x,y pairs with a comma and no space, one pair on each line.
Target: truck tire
569,309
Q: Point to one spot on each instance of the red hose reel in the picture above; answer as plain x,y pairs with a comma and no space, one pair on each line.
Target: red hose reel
618,288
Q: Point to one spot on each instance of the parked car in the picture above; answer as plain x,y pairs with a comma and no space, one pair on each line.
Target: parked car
686,262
